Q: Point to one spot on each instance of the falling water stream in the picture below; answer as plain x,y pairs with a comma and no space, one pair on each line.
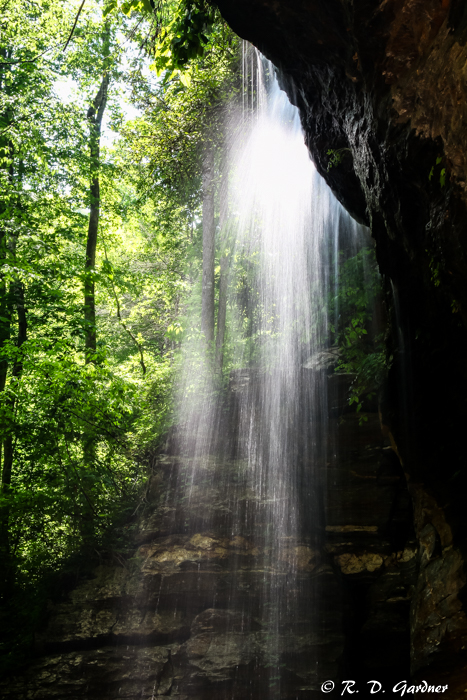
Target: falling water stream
249,452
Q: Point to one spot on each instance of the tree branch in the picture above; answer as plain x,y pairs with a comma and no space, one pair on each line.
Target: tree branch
73,27
32,60
122,322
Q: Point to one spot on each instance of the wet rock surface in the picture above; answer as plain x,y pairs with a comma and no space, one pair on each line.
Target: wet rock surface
184,616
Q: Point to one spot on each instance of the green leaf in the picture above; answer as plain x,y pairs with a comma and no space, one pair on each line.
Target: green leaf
126,8
185,79
109,7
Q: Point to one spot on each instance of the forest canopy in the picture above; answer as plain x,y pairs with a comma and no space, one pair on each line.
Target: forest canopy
100,209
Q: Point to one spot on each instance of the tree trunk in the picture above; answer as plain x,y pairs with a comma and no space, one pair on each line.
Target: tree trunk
222,311
209,234
6,582
5,311
224,273
4,314
95,114
18,296
7,254
4,516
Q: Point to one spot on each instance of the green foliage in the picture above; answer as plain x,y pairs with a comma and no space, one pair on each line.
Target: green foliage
442,172
77,434
359,340
180,31
180,120
435,269
186,37
62,407
335,157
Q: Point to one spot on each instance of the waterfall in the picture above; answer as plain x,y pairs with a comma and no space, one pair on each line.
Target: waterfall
248,447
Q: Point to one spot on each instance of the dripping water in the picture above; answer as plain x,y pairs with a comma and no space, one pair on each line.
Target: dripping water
249,447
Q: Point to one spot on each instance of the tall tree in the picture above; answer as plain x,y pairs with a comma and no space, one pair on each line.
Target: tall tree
6,582
95,115
209,245
224,263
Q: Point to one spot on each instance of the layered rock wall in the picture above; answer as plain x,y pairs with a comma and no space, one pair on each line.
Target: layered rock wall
183,616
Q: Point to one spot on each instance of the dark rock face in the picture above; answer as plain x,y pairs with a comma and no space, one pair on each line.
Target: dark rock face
369,535
381,86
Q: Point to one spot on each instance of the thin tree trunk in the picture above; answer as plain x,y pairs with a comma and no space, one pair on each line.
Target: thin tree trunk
4,515
224,274
17,294
4,300
4,314
7,253
209,231
222,311
95,115
122,322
